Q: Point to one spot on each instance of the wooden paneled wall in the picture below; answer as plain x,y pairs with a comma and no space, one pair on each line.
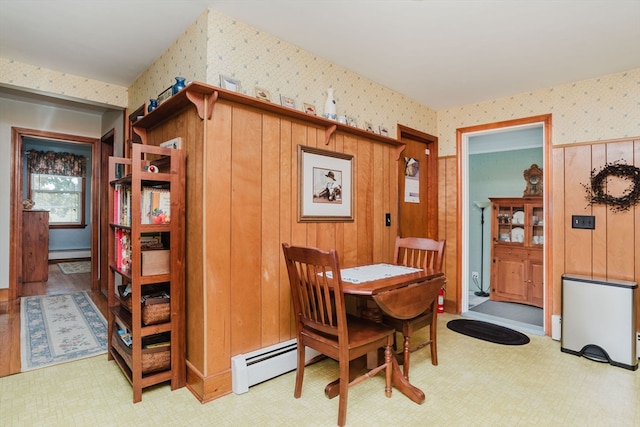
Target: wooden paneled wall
448,228
612,250
242,201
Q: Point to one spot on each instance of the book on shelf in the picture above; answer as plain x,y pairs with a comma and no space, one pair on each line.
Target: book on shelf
123,250
151,241
122,205
155,341
156,205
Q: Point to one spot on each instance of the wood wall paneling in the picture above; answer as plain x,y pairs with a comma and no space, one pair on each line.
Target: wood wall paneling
216,284
620,228
271,250
636,242
246,149
579,246
556,215
599,235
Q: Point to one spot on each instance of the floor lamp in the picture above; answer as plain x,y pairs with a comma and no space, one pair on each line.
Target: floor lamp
482,206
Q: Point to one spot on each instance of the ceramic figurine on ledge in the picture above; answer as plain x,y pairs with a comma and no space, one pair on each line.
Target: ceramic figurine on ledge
330,106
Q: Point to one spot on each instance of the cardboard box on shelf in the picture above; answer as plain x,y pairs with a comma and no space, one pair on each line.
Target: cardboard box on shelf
156,262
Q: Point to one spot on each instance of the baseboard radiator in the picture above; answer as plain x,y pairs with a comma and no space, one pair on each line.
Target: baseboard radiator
263,364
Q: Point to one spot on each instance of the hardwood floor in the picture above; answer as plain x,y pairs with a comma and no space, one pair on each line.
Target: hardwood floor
10,312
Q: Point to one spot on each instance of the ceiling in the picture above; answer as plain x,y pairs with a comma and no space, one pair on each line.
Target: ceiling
442,53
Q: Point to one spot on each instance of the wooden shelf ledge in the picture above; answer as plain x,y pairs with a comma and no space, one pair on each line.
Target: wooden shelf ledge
204,97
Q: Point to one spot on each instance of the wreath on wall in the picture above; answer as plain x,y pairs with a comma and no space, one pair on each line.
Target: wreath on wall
597,192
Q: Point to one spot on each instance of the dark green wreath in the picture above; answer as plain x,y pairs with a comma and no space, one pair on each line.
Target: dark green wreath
597,192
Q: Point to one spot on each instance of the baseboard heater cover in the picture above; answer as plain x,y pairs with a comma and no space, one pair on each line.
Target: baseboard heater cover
266,363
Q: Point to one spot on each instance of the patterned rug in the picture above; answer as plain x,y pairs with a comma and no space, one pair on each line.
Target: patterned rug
75,267
60,328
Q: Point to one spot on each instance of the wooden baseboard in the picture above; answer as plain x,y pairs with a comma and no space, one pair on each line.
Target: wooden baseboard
209,388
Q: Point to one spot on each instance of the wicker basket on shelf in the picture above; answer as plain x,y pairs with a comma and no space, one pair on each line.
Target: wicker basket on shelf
154,359
156,305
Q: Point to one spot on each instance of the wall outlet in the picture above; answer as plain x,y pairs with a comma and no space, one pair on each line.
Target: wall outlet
475,275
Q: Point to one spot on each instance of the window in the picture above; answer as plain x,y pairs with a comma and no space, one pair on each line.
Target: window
57,183
62,196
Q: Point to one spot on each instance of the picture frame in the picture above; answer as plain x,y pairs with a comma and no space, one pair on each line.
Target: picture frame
230,84
262,94
164,95
287,101
325,185
310,109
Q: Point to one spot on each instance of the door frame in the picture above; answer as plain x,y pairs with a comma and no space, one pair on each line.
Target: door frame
463,205
15,229
431,159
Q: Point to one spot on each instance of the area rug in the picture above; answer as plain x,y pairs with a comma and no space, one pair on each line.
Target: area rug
488,332
75,267
60,328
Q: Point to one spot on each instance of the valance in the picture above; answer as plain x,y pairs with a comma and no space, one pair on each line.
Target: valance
55,163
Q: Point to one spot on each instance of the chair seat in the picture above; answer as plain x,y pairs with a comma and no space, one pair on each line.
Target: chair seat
416,323
360,331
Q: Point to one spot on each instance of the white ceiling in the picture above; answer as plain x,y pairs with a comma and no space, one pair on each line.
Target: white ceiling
442,53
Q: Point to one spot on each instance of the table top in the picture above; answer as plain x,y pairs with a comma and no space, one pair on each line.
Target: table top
384,284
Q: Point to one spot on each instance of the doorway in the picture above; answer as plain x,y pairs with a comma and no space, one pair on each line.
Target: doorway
468,212
19,135
423,149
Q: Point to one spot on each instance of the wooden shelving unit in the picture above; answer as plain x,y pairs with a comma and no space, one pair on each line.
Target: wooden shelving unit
145,363
517,229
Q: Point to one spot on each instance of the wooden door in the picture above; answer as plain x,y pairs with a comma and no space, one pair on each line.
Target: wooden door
508,281
418,217
536,287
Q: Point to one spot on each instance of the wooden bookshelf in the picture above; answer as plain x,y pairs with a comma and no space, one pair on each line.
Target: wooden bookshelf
148,360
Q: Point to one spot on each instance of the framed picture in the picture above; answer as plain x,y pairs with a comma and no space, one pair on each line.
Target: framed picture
310,109
325,185
262,94
230,84
164,95
383,130
287,101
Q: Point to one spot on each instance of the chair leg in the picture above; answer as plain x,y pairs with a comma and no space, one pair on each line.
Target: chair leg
344,390
299,371
434,343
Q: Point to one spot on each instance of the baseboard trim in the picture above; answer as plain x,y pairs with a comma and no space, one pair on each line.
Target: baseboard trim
206,389
65,254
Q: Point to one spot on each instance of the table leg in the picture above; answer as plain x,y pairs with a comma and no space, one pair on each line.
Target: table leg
397,379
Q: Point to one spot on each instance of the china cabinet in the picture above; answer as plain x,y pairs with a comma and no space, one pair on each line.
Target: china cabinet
517,231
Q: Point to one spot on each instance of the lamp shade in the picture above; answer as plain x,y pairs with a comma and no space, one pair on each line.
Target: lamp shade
482,205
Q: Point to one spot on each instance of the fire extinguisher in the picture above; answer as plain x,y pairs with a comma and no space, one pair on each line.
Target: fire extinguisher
441,300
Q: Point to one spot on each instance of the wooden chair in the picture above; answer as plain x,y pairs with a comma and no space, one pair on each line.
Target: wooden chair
323,324
422,253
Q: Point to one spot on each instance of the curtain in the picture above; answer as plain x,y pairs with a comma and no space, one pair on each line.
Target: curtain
53,163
